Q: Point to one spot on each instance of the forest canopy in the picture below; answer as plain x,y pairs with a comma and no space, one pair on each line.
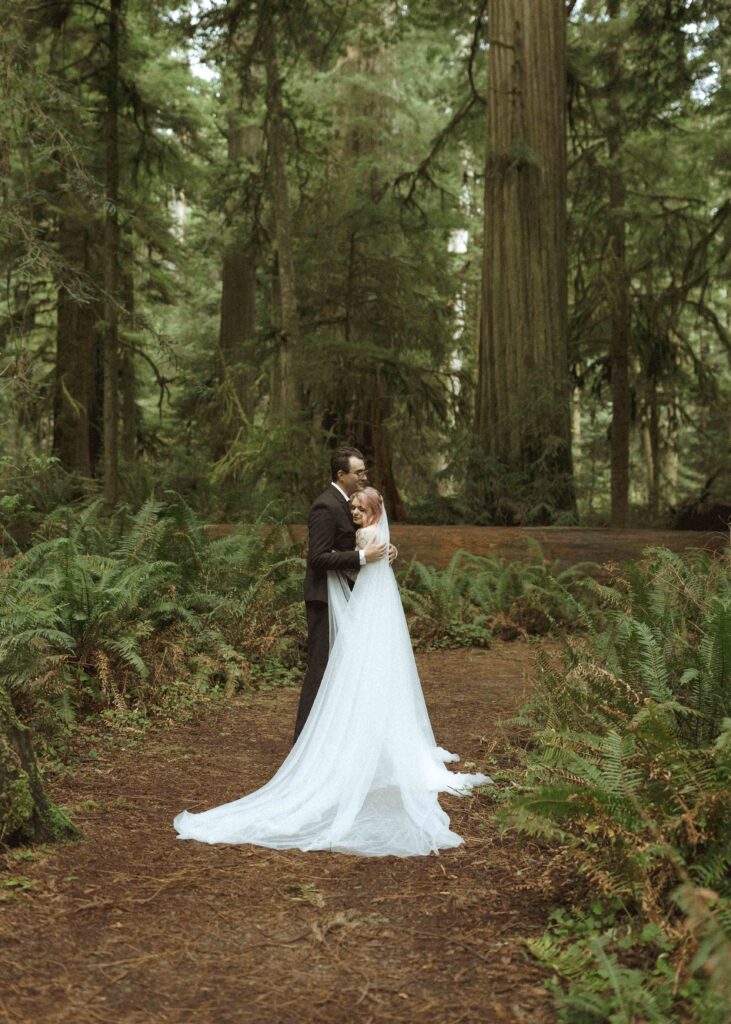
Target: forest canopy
485,243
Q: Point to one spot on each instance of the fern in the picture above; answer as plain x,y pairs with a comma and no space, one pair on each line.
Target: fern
484,593
630,770
89,611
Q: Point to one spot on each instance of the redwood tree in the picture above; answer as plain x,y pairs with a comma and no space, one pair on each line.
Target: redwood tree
522,413
238,287
111,260
77,398
618,287
244,136
287,397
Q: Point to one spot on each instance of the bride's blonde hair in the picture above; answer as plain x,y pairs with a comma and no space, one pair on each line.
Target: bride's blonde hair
373,503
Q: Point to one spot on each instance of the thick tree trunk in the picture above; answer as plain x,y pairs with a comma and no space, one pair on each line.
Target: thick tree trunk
111,262
619,308
288,397
26,814
238,293
522,411
75,399
384,477
238,310
364,122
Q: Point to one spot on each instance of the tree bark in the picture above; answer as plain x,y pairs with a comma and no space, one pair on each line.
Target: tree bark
377,443
238,297
364,122
128,380
111,261
238,292
288,398
523,406
671,452
75,399
651,447
618,285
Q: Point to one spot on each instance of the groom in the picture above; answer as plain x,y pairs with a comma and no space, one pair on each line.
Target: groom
331,545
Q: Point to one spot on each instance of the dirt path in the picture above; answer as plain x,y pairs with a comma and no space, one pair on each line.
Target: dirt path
131,925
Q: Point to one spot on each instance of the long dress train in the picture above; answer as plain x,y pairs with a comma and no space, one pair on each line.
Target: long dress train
364,774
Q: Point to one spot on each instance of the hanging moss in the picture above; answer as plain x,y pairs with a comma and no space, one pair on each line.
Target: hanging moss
26,814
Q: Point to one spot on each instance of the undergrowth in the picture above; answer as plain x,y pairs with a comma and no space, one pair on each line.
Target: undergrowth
477,597
629,776
133,611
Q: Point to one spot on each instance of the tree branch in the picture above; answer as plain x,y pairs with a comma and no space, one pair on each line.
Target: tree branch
422,171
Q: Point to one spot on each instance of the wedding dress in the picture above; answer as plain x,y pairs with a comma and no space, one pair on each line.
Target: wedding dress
364,774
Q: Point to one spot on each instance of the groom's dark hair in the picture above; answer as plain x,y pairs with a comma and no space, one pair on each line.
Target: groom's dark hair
340,459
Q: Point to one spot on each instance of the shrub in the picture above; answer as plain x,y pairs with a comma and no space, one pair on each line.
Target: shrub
631,762
478,596
439,608
104,613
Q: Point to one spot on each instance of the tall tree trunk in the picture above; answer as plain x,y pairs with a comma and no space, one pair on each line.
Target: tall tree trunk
127,378
111,261
364,121
651,447
377,444
671,452
17,324
619,309
238,309
522,410
238,293
75,413
289,398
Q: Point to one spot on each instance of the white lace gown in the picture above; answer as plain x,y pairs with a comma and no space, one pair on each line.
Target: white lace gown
365,773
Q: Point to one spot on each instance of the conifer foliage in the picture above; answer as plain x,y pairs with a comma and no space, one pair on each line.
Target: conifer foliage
235,234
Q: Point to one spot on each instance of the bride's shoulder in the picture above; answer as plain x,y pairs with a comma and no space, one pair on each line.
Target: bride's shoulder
364,534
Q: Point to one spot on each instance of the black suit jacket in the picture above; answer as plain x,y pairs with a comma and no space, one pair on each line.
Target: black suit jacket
331,542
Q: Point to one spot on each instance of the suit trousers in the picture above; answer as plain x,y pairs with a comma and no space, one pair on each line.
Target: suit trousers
318,651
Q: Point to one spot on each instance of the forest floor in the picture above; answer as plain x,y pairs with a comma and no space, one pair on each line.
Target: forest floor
131,925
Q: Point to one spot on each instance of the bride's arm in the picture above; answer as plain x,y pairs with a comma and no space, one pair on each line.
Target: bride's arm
365,540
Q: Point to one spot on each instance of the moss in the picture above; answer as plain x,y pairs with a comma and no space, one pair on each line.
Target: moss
59,825
26,814
16,805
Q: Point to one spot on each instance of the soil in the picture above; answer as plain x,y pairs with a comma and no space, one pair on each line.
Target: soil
132,925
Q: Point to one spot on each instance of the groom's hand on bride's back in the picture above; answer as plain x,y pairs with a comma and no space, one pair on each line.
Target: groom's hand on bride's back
374,552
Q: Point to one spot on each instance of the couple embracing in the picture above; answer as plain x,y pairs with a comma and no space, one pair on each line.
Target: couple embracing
364,772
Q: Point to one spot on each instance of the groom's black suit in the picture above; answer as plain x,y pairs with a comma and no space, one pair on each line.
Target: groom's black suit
331,545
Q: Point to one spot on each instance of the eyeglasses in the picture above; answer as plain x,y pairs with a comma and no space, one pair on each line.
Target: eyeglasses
362,472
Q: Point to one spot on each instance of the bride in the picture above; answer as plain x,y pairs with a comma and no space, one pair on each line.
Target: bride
364,773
